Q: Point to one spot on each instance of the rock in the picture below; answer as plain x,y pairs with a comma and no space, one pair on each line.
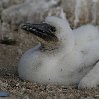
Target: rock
87,98
4,94
48,97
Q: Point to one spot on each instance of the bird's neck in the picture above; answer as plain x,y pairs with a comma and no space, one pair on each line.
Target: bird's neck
67,39
66,44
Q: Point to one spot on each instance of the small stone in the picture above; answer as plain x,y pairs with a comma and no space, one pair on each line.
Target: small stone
4,85
96,96
62,96
4,94
87,98
19,51
48,97
26,97
17,84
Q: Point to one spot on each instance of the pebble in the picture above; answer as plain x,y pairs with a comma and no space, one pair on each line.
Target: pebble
87,98
4,94
48,97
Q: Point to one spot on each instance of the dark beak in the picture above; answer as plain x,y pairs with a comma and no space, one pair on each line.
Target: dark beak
42,30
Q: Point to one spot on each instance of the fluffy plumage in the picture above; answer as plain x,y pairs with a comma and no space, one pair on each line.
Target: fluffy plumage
74,62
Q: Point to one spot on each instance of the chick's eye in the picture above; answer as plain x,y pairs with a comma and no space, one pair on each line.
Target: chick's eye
53,29
49,27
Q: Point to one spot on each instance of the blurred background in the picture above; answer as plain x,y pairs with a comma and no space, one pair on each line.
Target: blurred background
14,42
